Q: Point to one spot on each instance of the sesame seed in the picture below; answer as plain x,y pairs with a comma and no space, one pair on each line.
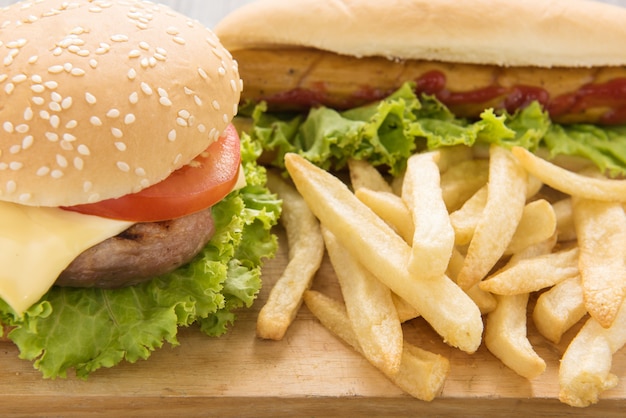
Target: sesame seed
146,88
171,136
133,98
38,100
37,88
162,92
9,87
83,149
121,146
43,171
56,174
132,74
51,85
71,124
221,71
172,30
129,118
56,97
179,40
144,45
117,133
233,85
22,128
225,118
51,136
197,100
69,137
14,149
15,165
93,63
54,106
27,142
119,38
55,121
202,73
66,103
165,101
44,114
135,53
113,113
36,78
11,186
78,163
122,166
33,59
55,69
61,160
181,122
24,197
90,98
215,105
87,185
78,72
8,127
19,78
183,113
95,121
144,63
201,128
159,57
94,197
140,172
67,67
67,146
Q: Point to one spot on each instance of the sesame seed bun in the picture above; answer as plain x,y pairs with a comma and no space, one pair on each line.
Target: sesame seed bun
102,99
544,33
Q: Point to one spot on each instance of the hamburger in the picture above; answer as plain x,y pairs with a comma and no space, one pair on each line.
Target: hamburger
380,80
129,206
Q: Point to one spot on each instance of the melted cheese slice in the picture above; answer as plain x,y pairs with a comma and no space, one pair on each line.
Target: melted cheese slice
37,244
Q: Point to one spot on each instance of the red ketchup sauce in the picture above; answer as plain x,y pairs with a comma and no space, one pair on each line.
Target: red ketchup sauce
610,95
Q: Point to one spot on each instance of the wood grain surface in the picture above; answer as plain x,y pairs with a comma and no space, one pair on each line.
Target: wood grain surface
308,373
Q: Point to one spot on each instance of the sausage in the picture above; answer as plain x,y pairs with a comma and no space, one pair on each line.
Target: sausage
141,252
299,78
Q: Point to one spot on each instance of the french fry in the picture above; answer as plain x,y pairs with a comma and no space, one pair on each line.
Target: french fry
601,231
370,308
440,301
364,174
391,209
306,251
421,373
570,182
465,219
462,180
405,311
433,236
564,219
505,336
505,204
485,301
585,370
559,308
532,274
538,223
454,155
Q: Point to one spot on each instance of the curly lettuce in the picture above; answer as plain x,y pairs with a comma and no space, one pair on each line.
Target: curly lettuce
87,329
387,132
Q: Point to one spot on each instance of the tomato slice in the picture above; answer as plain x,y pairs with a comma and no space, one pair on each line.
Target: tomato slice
196,186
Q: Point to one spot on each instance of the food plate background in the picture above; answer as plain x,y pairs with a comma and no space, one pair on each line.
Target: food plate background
309,373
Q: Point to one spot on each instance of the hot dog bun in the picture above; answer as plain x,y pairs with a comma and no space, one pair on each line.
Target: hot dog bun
544,33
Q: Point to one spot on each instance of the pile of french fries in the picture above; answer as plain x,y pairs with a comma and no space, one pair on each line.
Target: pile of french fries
463,239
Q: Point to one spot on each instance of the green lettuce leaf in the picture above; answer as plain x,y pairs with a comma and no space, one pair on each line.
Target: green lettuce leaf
387,132
86,329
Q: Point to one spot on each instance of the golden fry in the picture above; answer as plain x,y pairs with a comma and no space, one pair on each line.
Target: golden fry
505,204
440,301
363,174
370,308
421,373
433,236
559,308
601,231
306,251
391,209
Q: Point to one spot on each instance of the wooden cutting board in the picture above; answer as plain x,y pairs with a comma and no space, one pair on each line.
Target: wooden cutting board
309,373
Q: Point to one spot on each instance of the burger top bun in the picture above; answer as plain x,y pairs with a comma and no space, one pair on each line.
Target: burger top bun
99,99
545,33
